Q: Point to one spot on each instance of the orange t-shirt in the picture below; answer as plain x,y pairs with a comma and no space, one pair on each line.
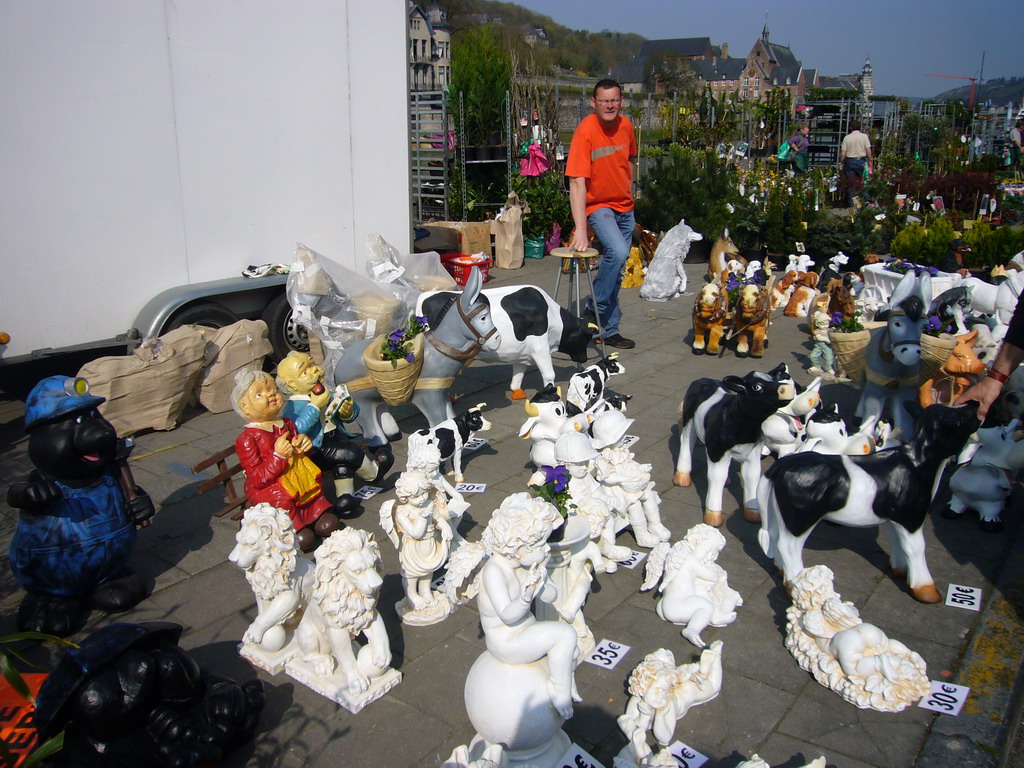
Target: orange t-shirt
601,156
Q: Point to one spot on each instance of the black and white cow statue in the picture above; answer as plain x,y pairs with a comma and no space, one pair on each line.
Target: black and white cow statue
726,416
531,326
893,486
451,436
586,391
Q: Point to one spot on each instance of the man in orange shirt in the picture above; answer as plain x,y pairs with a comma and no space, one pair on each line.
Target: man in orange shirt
600,193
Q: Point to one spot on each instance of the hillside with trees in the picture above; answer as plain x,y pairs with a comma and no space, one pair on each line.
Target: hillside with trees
999,91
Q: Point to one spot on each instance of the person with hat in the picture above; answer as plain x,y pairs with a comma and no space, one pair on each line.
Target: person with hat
953,260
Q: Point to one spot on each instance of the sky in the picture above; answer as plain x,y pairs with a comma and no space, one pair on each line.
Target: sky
906,39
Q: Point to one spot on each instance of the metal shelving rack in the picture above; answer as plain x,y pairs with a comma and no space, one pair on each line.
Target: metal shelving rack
428,167
829,124
461,152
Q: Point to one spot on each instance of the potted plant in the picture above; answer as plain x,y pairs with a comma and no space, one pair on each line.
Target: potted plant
393,362
552,485
545,203
481,72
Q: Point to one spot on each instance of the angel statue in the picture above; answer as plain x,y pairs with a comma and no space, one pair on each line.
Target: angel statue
660,695
417,524
856,660
694,588
426,457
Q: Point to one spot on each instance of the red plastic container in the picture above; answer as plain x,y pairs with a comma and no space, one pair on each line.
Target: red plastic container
459,265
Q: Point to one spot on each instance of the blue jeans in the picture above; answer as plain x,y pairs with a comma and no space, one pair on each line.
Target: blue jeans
853,169
615,231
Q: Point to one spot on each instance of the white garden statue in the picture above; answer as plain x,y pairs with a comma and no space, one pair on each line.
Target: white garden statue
757,762
694,588
426,458
547,421
343,606
522,688
660,695
856,660
281,577
417,524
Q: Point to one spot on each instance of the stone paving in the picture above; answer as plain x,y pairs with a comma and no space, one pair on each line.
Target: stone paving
767,704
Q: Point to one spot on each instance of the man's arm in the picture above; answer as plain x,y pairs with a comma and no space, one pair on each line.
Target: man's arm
578,205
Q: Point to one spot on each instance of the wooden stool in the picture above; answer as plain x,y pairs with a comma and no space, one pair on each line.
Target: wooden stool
573,263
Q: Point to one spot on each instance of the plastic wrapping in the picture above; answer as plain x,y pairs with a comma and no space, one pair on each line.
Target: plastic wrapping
341,307
665,277
420,272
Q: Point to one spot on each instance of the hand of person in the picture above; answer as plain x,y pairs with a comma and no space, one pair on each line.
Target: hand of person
580,242
984,393
283,447
302,444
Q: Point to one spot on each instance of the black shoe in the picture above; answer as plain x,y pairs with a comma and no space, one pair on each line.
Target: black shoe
619,341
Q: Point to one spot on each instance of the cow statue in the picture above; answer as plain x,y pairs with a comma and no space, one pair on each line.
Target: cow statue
951,381
710,315
451,436
750,319
826,433
531,326
586,390
727,416
546,423
892,486
784,430
984,479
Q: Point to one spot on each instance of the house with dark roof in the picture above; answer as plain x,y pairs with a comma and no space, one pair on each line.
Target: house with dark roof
633,75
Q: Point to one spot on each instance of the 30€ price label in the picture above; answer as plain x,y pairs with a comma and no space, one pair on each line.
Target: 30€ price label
628,440
960,596
607,654
945,698
687,757
577,757
475,444
634,559
471,487
367,492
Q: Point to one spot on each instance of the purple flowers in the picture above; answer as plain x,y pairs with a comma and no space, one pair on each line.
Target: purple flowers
557,476
555,488
398,345
836,318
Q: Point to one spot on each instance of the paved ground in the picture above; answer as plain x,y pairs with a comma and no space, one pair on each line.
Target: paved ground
767,705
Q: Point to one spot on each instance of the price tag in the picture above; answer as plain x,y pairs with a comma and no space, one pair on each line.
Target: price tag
832,188
963,597
879,217
634,559
628,440
576,757
607,654
917,207
367,492
945,698
475,444
471,487
687,757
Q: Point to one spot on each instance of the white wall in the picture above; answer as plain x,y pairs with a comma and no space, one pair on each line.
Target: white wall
150,143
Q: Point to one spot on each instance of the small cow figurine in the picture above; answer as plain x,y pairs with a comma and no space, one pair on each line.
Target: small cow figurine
783,431
985,478
531,326
803,294
951,380
586,390
750,320
727,416
546,423
826,433
451,436
710,310
893,486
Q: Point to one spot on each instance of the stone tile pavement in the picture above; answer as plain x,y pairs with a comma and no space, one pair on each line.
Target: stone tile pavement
767,705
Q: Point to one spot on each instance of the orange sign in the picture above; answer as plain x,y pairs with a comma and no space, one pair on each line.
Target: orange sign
17,726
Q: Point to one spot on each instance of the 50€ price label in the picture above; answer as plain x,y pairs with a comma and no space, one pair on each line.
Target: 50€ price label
634,559
367,492
960,596
687,757
945,698
577,757
471,487
607,654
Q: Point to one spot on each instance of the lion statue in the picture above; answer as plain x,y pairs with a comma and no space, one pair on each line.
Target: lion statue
342,606
267,549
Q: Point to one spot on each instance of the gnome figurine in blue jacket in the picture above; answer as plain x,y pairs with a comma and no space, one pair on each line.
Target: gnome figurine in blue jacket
79,510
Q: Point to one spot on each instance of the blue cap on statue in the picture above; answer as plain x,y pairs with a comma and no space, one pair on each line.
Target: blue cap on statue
55,397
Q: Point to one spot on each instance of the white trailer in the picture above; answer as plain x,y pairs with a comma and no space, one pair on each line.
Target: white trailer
153,149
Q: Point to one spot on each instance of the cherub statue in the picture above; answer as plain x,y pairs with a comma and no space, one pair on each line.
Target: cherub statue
756,761
417,524
274,455
267,549
426,458
492,757
660,695
694,588
343,606
856,660
514,553
627,483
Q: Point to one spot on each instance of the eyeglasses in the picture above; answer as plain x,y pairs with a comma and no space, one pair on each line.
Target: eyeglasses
608,101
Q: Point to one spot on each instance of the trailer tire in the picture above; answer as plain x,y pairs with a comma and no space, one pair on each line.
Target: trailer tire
284,333
208,314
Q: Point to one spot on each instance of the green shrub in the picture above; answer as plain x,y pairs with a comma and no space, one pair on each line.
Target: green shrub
990,247
687,184
924,245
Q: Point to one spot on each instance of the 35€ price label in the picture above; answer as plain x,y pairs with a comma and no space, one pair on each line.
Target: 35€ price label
475,444
945,698
960,596
367,492
576,757
686,756
634,559
607,654
471,487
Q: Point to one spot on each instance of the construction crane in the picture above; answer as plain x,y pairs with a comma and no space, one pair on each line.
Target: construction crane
962,77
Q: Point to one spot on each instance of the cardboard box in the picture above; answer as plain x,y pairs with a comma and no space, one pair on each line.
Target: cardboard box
474,236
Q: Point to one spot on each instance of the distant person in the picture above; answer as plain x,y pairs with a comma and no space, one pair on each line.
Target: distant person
799,147
1015,147
600,171
854,156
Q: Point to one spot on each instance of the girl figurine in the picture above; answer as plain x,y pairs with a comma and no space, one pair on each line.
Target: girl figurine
822,357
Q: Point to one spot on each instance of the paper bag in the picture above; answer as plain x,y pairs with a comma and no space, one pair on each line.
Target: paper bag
240,345
474,236
508,234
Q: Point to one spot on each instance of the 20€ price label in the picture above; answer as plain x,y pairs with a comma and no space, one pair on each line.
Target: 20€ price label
367,492
577,757
634,559
945,698
687,757
960,596
607,654
471,487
